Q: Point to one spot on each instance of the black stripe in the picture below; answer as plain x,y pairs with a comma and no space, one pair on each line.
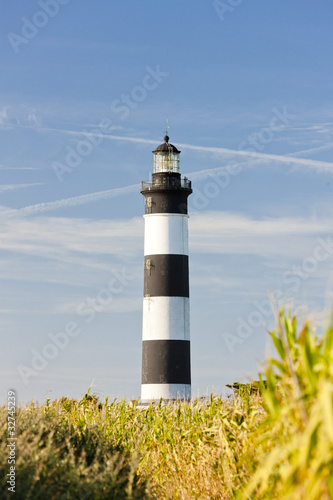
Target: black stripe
166,202
166,276
166,362
166,194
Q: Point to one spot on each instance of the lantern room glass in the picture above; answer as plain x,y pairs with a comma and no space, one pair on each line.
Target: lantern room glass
166,162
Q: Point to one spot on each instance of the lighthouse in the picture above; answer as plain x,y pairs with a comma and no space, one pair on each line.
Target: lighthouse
166,362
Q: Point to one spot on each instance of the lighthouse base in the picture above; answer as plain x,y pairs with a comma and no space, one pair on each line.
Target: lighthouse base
168,392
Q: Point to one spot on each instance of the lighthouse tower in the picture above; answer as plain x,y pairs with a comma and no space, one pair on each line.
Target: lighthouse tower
166,364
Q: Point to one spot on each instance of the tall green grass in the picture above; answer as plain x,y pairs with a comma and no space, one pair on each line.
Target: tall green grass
296,437
273,444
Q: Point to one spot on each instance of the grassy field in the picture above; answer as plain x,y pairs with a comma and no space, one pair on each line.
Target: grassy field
273,444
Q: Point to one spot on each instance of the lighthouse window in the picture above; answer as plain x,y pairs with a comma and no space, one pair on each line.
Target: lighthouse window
166,162
149,202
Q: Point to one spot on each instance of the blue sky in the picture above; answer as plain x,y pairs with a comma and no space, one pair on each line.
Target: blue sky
85,92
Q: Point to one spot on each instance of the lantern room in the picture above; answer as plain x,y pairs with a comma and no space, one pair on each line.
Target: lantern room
166,157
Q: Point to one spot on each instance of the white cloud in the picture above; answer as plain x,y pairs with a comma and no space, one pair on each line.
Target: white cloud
59,237
116,305
78,255
67,239
19,115
233,223
33,120
229,233
3,117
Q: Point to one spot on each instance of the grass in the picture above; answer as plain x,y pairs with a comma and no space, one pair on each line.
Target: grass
274,443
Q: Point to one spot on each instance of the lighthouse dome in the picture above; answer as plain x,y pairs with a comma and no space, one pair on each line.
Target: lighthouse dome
166,147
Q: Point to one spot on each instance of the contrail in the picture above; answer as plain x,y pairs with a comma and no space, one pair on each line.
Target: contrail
91,197
329,145
71,202
105,136
317,164
12,187
2,167
110,193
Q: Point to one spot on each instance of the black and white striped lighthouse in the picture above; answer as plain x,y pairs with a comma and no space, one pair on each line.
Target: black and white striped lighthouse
166,364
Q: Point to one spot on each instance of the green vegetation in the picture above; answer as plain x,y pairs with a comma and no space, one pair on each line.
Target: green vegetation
272,442
252,388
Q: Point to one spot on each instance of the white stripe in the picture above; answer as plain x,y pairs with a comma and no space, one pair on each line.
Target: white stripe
154,392
166,318
166,234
